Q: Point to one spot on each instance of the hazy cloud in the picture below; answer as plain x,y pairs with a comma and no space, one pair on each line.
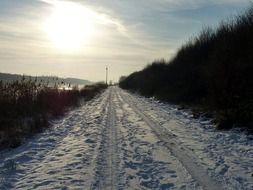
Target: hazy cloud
128,34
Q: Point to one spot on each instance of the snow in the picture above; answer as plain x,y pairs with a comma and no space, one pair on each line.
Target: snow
226,155
123,141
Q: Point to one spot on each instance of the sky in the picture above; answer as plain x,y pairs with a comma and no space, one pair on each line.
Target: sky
79,38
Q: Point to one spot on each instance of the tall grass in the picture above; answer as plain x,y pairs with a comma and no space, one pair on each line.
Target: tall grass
28,105
214,70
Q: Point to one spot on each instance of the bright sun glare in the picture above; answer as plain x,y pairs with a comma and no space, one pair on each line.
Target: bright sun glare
69,26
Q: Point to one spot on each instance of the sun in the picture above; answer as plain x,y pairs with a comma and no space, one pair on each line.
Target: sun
69,26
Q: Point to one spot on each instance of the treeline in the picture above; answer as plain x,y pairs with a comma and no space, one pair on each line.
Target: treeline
51,80
27,106
213,70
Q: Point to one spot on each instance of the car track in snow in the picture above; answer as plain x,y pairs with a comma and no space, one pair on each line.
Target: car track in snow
145,162
60,158
183,154
227,156
107,161
120,141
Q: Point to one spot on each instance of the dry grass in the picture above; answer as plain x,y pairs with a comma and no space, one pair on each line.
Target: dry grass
28,105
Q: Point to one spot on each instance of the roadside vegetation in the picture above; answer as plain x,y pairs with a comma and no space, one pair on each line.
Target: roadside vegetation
213,71
27,106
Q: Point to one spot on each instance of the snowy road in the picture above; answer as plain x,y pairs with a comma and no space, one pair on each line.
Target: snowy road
123,141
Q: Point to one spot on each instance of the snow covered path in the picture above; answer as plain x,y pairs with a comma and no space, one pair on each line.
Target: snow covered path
123,141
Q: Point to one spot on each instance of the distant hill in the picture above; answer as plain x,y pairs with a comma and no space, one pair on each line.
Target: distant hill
6,77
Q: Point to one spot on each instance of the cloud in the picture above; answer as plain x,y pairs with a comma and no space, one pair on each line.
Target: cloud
129,33
106,16
102,18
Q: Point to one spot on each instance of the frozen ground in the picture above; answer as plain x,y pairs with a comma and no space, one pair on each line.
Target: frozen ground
123,141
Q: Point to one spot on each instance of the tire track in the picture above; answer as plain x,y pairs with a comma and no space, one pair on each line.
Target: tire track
107,160
62,156
188,160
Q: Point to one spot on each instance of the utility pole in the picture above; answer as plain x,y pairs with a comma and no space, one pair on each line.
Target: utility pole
106,75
